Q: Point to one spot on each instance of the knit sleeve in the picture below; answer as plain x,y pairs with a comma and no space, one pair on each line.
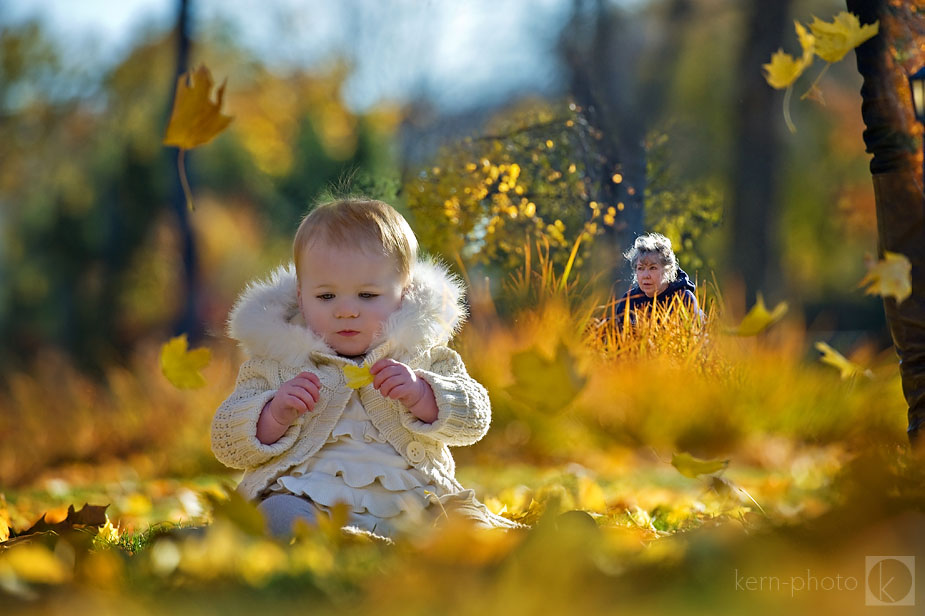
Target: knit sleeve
463,407
234,426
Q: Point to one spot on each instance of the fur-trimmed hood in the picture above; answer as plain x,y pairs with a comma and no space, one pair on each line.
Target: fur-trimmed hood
266,320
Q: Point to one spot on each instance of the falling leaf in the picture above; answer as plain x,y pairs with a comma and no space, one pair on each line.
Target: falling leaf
890,277
759,319
844,33
357,376
181,366
832,357
689,466
784,69
195,119
543,382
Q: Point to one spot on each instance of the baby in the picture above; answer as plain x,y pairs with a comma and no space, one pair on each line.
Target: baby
309,425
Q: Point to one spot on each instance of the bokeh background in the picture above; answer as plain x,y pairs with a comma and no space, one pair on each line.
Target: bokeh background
376,98
527,142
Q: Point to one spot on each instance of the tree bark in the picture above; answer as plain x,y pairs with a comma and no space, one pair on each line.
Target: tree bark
755,210
899,201
611,79
187,321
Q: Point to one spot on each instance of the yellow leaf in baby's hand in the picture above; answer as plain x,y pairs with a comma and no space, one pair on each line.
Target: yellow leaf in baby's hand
195,119
832,357
758,318
834,40
357,376
890,277
689,466
181,366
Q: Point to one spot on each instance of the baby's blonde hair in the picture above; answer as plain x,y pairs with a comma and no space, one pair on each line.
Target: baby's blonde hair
359,223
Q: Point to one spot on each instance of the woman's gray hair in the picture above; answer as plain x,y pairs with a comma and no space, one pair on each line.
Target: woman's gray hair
653,244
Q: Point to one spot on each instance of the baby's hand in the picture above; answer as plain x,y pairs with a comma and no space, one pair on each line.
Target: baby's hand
294,398
397,381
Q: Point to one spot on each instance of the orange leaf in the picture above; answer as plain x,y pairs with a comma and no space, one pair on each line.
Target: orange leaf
195,119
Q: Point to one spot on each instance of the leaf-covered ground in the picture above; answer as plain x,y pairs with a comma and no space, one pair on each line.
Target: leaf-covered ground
674,474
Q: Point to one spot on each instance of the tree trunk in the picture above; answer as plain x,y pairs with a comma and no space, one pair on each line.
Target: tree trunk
899,201
612,80
187,321
755,210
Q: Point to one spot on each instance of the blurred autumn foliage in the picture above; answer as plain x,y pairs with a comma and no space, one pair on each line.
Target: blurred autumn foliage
89,259
655,464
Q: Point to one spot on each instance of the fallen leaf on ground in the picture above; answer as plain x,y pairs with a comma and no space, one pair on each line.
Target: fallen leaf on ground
88,516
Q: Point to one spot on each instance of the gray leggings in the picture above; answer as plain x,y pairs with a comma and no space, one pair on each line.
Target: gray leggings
282,510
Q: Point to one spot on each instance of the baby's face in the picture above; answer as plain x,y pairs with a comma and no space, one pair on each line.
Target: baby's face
347,294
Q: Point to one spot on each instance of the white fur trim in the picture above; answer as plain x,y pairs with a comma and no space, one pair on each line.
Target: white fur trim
266,320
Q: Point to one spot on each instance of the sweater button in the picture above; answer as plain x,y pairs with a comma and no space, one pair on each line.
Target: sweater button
415,452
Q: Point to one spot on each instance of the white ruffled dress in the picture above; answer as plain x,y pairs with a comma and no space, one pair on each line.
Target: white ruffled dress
357,466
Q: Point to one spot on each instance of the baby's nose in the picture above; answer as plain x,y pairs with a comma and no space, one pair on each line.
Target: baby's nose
346,310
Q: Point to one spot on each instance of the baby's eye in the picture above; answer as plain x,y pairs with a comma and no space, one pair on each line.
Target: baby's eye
369,295
325,296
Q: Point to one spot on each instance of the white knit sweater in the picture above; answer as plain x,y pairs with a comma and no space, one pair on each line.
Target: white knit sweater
267,322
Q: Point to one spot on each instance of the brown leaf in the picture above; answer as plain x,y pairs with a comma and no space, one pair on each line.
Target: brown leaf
195,119
89,515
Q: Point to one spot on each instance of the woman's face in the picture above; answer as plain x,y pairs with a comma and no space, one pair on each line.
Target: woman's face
650,274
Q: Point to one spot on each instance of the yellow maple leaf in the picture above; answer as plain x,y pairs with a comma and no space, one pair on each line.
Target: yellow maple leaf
181,366
357,376
844,33
759,319
846,367
891,276
784,69
195,119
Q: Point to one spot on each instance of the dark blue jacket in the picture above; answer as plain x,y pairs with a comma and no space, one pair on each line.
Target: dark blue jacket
635,298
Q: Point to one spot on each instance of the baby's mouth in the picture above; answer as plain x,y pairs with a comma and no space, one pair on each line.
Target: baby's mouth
347,332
